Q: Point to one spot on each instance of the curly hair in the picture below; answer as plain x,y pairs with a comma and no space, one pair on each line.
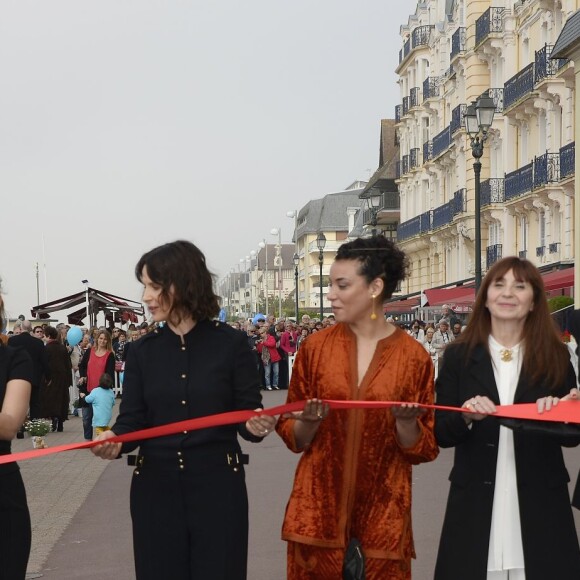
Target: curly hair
186,283
379,257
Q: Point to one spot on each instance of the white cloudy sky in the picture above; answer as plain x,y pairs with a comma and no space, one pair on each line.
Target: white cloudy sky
129,123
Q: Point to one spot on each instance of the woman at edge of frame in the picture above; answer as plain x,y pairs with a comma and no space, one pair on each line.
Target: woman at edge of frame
189,504
509,353
353,480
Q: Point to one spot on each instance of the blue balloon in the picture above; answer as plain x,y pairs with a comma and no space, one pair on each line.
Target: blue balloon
74,335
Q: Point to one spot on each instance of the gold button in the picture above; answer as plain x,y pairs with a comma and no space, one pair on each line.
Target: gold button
181,461
179,453
182,348
136,472
235,468
184,402
183,375
181,467
185,432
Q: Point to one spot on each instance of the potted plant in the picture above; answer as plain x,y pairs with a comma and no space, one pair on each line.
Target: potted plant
38,428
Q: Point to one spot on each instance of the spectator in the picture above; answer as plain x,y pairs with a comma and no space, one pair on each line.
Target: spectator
102,401
270,356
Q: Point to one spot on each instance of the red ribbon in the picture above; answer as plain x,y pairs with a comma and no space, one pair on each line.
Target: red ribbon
564,412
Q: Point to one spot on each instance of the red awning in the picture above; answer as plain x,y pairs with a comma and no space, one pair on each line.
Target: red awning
450,296
402,306
559,279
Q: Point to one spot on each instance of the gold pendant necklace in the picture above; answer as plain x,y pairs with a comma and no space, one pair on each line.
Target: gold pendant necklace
506,354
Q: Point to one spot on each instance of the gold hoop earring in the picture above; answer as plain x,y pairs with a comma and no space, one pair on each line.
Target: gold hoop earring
374,314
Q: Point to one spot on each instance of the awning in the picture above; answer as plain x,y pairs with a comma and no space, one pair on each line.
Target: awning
402,306
450,296
559,279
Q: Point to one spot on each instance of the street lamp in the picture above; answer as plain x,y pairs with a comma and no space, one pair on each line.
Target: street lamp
295,260
374,202
264,245
87,307
278,261
321,242
478,119
252,257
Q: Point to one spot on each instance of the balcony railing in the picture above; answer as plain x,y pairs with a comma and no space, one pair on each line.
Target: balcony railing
497,96
519,182
420,36
553,248
398,113
540,251
458,42
519,85
414,157
459,204
492,191
406,103
443,215
427,151
418,225
397,170
523,254
414,97
406,165
567,157
545,66
493,254
441,142
546,169
430,88
426,220
490,21
457,118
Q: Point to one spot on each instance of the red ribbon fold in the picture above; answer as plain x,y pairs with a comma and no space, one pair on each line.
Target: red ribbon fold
564,412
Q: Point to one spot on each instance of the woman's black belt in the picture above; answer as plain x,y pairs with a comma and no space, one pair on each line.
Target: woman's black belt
190,461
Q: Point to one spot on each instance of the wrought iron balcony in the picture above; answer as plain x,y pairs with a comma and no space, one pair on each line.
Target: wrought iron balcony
398,113
409,229
459,203
491,21
567,157
523,254
546,169
497,96
441,142
406,102
519,86
458,42
414,97
427,151
397,170
492,191
426,221
540,251
420,36
414,157
553,248
406,48
544,66
519,182
430,88
457,118
493,254
443,215
405,166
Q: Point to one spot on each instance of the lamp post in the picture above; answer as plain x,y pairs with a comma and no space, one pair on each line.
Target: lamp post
87,308
278,259
264,245
374,202
321,242
478,119
295,260
252,306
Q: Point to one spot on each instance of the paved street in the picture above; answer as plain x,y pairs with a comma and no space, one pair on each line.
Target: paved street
80,509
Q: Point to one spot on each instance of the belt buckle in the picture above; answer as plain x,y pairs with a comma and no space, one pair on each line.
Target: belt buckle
233,458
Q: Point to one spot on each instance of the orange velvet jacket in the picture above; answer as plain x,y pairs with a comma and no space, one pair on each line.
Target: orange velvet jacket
354,479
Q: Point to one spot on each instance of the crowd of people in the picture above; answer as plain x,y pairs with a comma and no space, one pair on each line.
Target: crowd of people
349,512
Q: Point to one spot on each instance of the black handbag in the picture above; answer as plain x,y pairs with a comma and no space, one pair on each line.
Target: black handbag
353,567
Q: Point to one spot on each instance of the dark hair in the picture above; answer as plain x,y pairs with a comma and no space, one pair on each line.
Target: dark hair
545,356
379,258
106,381
181,266
51,332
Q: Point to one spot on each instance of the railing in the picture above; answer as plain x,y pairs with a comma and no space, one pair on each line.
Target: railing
458,42
430,88
421,36
441,142
553,248
427,151
523,254
519,182
406,103
397,170
519,85
457,118
398,113
414,97
426,220
546,169
449,72
567,160
406,48
414,157
405,166
459,202
490,21
497,96
493,254
443,215
492,191
540,251
545,66
420,224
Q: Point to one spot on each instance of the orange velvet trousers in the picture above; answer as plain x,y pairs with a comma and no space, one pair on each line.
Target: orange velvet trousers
312,563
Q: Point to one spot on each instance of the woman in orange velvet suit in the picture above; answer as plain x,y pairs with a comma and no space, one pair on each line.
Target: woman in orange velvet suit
354,477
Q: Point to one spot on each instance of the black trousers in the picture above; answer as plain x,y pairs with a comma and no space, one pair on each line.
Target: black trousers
15,531
34,405
190,525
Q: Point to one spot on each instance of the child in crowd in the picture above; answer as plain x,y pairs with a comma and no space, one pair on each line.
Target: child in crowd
102,399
